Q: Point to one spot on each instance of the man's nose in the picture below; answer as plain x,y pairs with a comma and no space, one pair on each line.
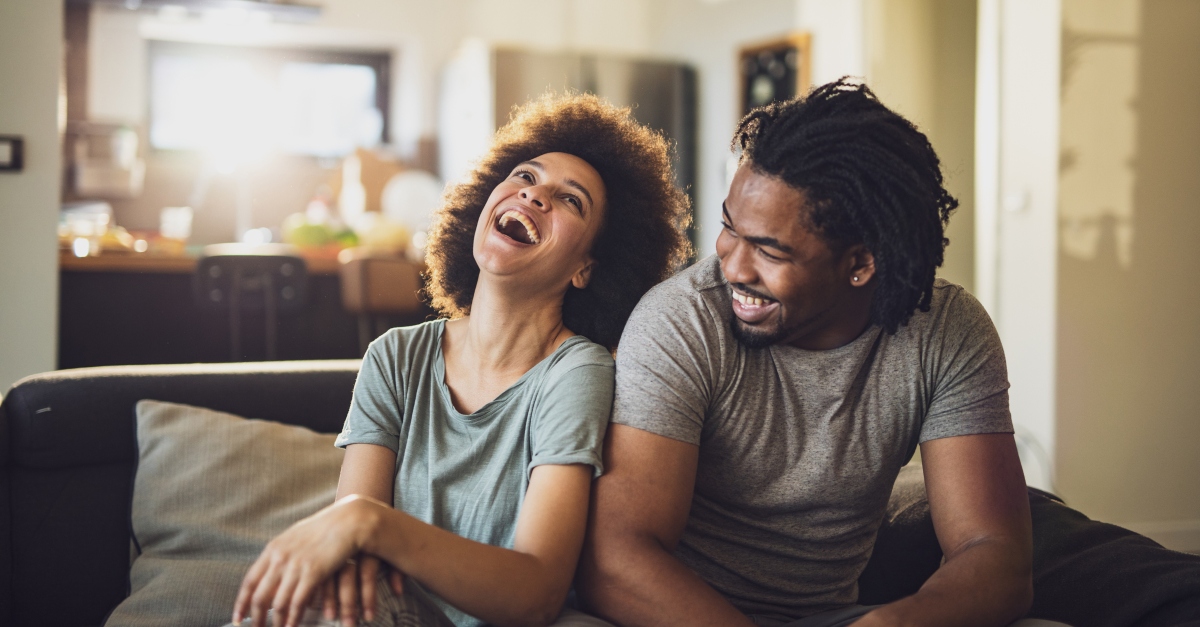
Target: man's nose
736,266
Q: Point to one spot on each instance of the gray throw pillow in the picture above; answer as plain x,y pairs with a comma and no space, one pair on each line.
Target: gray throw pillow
211,490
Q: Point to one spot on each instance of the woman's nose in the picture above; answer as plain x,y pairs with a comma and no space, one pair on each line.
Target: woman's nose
534,195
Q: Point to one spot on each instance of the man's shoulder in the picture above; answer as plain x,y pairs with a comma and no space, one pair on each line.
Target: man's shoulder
699,285
951,309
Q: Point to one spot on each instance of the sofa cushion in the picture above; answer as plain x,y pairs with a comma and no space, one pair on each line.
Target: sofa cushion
211,490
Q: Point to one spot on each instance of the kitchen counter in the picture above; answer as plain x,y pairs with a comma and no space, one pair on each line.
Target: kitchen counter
167,264
130,308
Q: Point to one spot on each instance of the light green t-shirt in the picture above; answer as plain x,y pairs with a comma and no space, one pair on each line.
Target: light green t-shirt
468,473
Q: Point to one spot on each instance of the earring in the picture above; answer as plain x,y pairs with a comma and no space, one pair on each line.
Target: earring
855,279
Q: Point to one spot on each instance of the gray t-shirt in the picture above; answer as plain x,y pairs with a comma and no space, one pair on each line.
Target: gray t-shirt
468,473
799,449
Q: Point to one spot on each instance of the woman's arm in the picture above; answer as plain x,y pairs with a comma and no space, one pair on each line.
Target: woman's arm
367,470
522,586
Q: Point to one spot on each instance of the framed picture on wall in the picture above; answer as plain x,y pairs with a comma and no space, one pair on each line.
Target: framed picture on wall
774,70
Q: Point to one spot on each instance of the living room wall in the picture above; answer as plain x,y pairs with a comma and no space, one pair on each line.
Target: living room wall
32,33
1128,340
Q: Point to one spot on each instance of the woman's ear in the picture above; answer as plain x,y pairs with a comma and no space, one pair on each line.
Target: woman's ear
581,278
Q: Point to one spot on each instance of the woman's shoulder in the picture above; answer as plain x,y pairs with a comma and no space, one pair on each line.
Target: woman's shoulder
406,344
579,352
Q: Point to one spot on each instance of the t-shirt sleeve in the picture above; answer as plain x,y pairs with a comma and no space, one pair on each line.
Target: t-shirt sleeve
374,416
969,374
573,416
665,369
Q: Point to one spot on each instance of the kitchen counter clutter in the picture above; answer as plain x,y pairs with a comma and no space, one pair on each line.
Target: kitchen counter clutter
141,308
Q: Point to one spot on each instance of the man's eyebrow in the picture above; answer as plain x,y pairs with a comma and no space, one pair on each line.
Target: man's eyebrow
757,240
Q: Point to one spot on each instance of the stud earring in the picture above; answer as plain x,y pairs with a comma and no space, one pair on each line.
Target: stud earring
855,279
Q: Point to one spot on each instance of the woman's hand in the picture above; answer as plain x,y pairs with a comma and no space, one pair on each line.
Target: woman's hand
294,565
356,582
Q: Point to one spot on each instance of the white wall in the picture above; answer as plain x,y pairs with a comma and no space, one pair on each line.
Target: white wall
1017,209
31,34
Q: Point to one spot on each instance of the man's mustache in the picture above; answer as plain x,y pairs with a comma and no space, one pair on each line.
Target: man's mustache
741,287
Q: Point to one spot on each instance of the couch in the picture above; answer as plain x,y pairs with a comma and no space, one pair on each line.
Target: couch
68,454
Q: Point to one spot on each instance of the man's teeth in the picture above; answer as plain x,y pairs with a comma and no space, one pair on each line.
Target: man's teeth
750,300
512,214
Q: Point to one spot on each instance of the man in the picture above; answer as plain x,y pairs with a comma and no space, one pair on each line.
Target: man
767,398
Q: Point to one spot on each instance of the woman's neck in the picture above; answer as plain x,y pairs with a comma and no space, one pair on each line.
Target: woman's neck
507,330
505,335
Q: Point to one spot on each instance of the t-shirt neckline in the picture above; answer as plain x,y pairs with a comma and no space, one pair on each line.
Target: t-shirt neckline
494,405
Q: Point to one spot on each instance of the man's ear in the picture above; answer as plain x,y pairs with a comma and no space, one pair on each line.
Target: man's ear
581,278
861,263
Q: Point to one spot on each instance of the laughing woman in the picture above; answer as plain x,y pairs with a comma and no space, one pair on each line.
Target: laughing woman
472,441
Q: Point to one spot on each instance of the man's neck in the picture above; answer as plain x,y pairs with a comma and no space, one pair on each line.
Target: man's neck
837,326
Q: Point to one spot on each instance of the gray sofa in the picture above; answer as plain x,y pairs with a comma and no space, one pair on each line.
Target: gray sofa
68,455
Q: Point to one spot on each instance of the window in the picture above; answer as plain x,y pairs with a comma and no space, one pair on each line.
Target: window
240,103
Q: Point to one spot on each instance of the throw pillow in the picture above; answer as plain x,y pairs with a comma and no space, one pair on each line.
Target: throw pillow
211,490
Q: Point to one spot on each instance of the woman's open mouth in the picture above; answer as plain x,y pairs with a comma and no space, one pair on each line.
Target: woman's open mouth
518,227
752,309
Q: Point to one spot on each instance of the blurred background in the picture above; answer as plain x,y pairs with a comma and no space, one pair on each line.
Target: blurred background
140,138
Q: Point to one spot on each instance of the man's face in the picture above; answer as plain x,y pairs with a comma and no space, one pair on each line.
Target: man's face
788,284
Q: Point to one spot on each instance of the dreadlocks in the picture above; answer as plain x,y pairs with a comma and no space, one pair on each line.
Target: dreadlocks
871,178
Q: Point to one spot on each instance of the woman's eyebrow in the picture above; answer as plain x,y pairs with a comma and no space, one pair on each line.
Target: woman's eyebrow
583,190
571,182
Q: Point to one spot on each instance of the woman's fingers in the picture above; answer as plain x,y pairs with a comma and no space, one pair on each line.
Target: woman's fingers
281,602
305,587
348,594
250,583
368,570
397,580
260,601
330,598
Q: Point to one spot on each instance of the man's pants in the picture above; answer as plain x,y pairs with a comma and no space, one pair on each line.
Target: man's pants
834,618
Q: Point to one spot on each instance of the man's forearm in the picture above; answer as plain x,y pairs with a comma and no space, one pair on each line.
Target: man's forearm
636,582
985,584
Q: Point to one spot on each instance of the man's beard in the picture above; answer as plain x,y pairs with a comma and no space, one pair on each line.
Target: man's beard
753,338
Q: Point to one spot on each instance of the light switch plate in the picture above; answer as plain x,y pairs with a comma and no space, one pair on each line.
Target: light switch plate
12,153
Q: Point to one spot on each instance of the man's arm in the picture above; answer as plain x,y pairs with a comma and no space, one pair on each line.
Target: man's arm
627,573
980,512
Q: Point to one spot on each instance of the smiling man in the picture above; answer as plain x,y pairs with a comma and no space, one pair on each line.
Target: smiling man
767,397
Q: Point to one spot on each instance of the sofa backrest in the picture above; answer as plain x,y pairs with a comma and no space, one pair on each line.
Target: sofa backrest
68,454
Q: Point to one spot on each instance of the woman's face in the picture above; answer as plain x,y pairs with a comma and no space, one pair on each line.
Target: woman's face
539,223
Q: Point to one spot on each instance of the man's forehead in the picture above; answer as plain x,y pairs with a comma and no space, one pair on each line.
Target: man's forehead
763,198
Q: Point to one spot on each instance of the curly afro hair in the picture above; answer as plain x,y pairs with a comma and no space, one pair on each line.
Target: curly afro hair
871,178
640,243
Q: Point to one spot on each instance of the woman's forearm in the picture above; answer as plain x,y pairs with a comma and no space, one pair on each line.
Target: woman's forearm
500,586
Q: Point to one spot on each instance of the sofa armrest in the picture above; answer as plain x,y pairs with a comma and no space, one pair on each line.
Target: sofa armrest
68,448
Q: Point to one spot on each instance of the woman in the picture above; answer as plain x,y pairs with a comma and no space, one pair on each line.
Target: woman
484,430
